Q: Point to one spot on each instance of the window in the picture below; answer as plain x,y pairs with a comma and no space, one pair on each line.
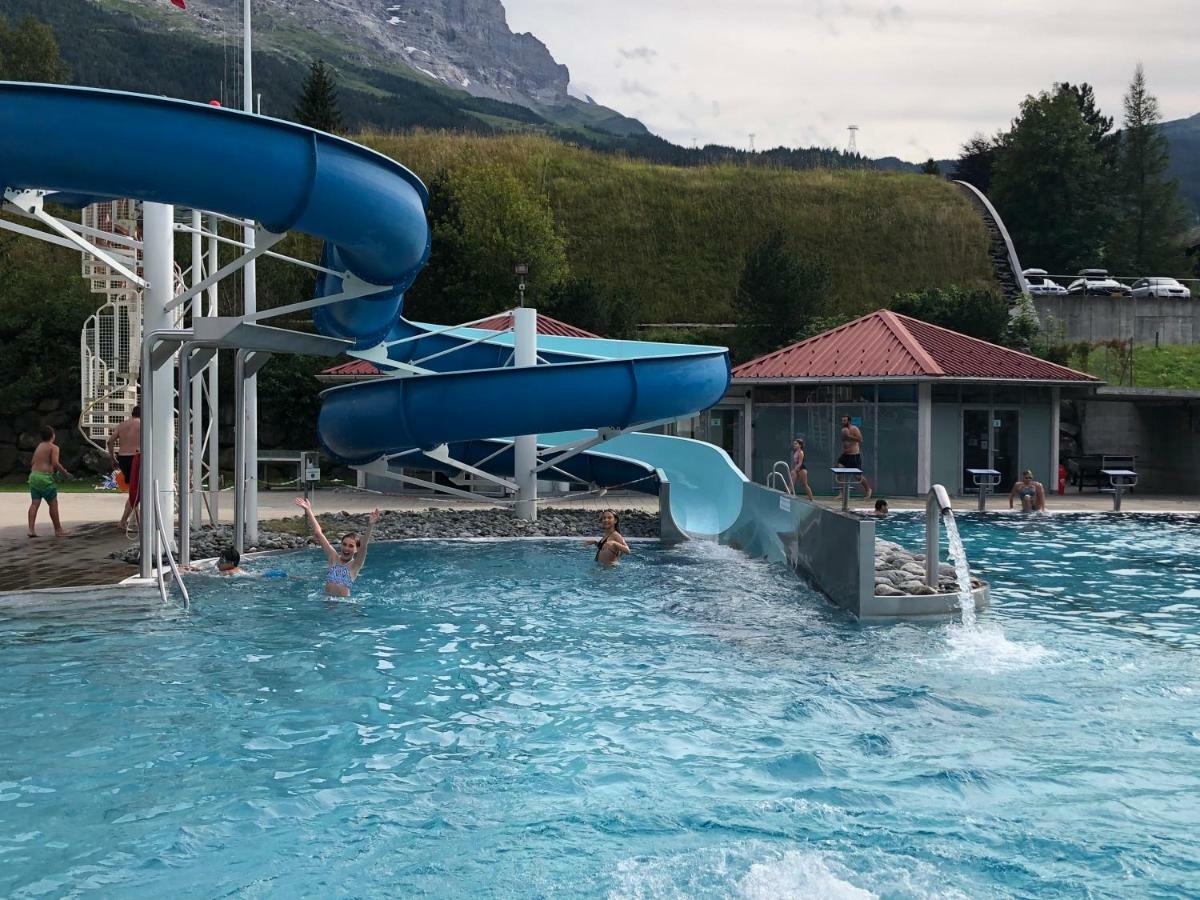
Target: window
897,393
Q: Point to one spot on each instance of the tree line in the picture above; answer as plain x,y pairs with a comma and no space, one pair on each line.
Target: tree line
1074,193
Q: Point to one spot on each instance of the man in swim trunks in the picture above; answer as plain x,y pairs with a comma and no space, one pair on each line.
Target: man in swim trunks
41,481
851,457
347,560
123,446
1032,494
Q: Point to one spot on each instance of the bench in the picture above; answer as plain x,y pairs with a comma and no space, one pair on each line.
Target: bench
1090,468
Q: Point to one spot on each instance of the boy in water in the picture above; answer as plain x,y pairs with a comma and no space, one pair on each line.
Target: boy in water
41,481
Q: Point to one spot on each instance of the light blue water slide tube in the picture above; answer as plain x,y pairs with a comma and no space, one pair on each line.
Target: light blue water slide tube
370,211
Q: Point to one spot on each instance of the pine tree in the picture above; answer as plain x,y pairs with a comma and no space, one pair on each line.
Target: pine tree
778,294
318,104
1049,183
29,52
1145,236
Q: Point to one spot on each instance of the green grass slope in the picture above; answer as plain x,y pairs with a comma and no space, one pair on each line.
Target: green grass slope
674,238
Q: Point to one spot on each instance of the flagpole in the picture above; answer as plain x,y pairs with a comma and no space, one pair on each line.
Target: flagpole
250,443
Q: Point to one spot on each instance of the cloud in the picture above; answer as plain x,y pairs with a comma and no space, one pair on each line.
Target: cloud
889,15
629,86
638,54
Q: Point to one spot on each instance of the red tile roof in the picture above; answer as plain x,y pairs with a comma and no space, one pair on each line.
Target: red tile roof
357,368
885,344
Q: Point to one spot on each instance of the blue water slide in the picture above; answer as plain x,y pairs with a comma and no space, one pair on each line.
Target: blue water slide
370,211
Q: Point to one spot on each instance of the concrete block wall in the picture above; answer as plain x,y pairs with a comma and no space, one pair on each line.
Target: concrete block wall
1091,319
1164,437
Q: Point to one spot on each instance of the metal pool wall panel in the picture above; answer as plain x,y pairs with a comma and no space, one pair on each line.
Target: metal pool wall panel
832,550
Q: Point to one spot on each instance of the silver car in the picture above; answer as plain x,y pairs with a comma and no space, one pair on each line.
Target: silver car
1160,288
1038,284
1097,283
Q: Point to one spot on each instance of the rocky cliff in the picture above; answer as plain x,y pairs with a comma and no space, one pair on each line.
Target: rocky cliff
465,44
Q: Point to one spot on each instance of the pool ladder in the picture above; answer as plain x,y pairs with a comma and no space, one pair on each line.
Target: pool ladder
162,547
784,477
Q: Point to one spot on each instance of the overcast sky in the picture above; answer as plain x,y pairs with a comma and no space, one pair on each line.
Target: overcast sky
918,77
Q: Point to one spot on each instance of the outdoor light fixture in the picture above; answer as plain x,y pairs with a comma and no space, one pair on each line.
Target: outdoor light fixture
521,270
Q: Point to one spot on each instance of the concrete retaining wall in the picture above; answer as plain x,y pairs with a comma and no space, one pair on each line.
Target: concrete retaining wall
1163,435
1075,319
832,551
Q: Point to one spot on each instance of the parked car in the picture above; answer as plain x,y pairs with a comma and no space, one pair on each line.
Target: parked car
1097,283
1164,288
1038,284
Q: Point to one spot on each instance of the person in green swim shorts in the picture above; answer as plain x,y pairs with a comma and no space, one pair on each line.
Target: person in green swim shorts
41,481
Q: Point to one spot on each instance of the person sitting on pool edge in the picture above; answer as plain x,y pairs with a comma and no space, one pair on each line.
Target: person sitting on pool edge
1032,494
611,546
347,560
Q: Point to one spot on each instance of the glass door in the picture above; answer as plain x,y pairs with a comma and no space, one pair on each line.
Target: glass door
1004,445
977,444
725,430
990,441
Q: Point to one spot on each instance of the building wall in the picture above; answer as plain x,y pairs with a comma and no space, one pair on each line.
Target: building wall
1034,450
1116,318
1165,438
947,446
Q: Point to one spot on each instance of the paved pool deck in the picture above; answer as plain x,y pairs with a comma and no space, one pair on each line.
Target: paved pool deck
81,558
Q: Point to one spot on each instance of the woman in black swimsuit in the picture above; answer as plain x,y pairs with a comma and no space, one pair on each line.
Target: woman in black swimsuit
799,469
611,547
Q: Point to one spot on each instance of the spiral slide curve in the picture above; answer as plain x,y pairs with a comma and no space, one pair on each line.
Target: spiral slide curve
370,211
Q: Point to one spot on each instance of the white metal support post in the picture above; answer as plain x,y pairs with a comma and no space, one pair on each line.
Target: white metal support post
214,408
250,439
158,249
194,476
525,446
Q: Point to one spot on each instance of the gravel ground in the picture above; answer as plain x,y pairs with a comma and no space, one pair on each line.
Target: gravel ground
289,534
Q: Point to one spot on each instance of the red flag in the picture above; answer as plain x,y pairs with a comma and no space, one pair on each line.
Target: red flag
179,3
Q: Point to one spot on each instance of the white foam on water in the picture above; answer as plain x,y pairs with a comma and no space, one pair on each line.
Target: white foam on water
753,870
799,874
756,870
985,647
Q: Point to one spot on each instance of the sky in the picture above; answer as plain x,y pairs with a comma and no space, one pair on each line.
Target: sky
918,77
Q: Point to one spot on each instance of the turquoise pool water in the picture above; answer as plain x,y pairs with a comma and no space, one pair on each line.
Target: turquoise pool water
505,719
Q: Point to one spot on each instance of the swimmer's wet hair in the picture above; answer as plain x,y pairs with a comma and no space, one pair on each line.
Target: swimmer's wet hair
229,557
616,518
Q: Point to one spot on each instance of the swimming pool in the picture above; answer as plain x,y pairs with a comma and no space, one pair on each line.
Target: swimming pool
505,719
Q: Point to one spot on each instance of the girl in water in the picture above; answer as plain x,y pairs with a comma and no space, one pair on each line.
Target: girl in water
347,560
611,547
799,469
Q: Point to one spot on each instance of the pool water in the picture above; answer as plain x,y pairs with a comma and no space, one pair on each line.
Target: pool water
507,719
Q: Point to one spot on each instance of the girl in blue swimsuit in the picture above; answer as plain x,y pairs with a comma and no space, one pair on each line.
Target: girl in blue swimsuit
346,560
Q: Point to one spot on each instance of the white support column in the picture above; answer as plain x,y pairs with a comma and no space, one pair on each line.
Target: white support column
250,440
250,444
214,407
924,437
158,249
196,485
525,446
1055,413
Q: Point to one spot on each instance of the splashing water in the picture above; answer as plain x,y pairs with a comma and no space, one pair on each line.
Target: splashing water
958,556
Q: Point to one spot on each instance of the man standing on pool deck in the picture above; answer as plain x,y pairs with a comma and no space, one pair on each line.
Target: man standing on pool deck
42,467
851,457
123,446
347,560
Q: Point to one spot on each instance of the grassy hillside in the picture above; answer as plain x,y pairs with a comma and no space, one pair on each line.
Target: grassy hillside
674,238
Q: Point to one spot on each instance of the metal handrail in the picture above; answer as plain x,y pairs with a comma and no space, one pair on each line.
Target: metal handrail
161,535
785,476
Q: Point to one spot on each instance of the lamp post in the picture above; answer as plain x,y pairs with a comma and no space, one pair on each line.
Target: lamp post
521,270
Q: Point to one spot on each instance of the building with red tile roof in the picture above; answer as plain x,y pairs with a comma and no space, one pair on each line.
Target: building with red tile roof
930,403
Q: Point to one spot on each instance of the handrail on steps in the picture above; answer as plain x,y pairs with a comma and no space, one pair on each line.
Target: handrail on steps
160,535
785,476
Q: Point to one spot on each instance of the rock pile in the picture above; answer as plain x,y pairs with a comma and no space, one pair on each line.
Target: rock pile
899,572
436,523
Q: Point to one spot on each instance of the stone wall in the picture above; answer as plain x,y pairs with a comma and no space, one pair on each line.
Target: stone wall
1074,319
19,437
